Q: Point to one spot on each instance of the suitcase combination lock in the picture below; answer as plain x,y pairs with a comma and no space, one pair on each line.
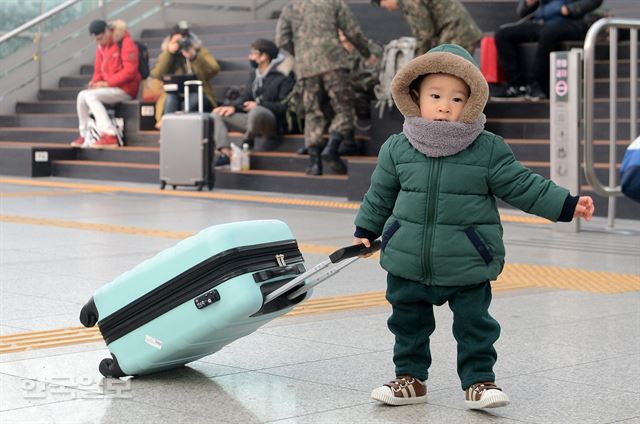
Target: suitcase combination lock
280,260
207,299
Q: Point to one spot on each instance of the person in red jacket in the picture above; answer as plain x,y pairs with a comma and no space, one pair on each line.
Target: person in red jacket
115,79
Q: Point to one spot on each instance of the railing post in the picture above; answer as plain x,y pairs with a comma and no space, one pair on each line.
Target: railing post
613,114
565,73
633,88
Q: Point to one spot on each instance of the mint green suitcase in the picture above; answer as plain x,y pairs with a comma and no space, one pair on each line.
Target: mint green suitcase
210,289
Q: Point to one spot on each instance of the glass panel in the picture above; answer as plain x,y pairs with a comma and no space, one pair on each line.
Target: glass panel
14,13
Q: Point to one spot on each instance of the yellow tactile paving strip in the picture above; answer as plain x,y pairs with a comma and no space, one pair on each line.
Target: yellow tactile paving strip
514,277
98,188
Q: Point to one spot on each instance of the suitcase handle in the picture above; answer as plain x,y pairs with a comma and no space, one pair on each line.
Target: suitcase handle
346,255
187,84
353,251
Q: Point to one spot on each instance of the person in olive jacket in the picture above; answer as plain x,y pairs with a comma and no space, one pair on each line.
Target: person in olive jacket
433,199
183,54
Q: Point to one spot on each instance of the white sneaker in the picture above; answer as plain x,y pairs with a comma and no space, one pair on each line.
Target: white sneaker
485,395
404,390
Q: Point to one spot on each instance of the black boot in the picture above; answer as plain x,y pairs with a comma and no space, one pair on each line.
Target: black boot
302,151
331,155
315,162
349,146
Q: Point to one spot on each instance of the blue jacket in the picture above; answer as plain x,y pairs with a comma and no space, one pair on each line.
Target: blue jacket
550,10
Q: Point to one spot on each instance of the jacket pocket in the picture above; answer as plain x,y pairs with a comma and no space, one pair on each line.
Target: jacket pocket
386,236
480,245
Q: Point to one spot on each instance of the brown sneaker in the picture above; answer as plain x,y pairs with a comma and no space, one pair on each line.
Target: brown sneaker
485,395
404,390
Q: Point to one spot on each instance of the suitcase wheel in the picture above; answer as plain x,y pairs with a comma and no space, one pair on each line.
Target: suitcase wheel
89,314
109,368
163,184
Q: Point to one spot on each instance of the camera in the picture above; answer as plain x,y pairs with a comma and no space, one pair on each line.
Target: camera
185,43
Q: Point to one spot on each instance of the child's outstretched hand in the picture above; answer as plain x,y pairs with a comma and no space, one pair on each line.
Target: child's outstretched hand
364,241
584,208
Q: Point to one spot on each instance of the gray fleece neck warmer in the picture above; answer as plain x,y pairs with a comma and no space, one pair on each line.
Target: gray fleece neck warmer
438,138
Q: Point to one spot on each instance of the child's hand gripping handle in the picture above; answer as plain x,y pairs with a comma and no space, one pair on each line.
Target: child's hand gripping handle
320,272
353,251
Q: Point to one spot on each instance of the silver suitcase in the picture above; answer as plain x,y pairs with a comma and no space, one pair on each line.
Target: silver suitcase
186,146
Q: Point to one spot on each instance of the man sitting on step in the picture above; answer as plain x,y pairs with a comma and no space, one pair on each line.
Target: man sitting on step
260,110
115,79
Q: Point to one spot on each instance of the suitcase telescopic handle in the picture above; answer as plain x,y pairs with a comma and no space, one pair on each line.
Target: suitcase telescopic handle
341,258
198,84
353,251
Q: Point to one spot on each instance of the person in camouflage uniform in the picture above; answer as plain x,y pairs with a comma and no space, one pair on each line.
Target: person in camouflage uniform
363,78
435,22
308,29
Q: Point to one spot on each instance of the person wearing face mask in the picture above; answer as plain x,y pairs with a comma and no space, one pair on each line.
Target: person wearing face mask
259,110
183,54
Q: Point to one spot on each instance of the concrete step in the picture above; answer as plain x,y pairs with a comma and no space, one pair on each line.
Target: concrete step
38,135
112,171
31,159
281,161
47,107
259,180
235,77
200,30
40,120
70,93
521,108
242,38
281,181
127,154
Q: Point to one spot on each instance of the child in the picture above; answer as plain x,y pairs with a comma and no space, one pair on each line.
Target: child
433,199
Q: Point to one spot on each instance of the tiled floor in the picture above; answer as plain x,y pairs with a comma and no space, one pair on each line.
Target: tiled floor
565,356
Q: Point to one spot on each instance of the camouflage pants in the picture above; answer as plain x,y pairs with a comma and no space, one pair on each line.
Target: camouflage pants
336,86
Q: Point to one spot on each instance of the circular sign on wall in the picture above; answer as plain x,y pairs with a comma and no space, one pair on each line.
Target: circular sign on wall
562,88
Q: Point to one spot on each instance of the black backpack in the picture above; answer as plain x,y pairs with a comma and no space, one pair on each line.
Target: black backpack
143,58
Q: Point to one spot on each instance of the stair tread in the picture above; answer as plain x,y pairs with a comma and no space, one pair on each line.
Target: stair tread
39,129
286,174
108,164
28,145
296,156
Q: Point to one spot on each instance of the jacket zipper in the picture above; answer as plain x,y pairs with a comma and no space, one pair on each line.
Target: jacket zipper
434,185
194,281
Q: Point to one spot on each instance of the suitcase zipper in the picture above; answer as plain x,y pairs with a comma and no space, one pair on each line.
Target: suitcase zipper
196,280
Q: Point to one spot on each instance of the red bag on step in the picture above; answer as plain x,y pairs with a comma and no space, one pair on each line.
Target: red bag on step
489,64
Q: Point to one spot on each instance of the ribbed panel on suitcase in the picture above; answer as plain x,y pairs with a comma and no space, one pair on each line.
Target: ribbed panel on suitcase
194,281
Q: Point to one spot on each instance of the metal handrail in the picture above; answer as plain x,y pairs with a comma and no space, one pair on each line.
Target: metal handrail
37,20
613,24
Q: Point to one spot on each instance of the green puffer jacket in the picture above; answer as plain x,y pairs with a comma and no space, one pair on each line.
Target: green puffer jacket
438,216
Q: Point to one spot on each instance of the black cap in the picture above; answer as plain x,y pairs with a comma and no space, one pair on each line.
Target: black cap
266,46
97,27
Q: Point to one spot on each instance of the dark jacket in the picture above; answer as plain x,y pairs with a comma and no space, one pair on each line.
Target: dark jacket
276,85
438,215
549,10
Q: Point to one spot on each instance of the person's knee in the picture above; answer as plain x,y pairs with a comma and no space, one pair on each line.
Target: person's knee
217,118
550,36
83,95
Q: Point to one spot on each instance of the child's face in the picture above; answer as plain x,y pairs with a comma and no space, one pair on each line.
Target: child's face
442,97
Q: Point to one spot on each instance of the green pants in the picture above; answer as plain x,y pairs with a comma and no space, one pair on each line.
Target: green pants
412,322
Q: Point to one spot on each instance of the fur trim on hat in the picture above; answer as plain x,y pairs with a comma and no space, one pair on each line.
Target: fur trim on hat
444,62
119,28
